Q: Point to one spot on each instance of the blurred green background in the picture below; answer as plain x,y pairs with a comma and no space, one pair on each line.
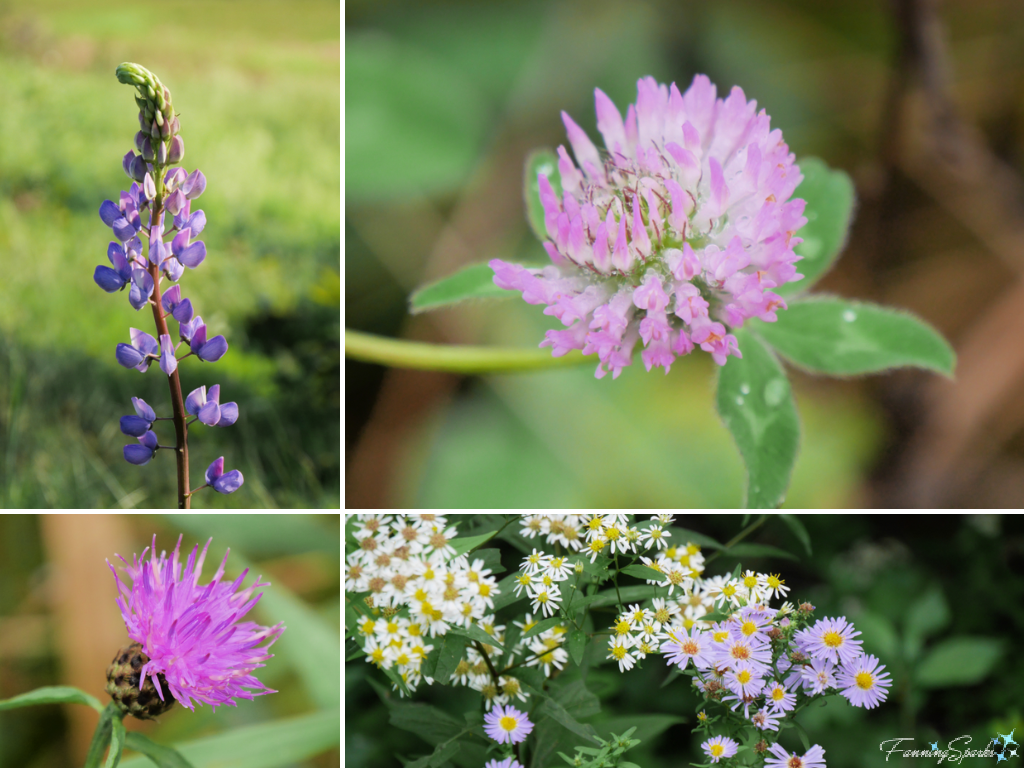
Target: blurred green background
60,625
256,86
939,599
921,103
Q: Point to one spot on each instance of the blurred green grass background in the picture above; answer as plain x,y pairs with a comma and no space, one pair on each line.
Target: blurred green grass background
256,86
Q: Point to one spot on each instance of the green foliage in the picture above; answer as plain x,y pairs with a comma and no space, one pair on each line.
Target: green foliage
840,337
117,737
276,744
756,404
959,661
746,549
52,694
162,757
829,195
793,523
473,282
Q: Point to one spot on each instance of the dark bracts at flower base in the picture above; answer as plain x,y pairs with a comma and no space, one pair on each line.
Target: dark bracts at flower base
163,191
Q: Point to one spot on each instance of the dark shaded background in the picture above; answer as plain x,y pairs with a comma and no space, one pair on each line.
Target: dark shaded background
921,102
911,584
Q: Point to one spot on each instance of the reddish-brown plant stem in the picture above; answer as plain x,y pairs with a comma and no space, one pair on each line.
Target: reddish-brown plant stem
177,402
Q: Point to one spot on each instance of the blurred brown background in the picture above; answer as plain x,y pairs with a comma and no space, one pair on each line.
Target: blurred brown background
921,102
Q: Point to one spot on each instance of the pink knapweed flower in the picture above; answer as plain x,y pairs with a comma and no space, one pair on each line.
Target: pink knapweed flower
675,233
193,634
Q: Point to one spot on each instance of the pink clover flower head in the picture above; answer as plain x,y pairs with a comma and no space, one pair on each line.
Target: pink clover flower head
673,234
507,725
863,682
193,634
830,640
813,758
719,747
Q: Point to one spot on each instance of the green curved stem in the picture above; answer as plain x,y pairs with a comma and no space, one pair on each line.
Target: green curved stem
397,353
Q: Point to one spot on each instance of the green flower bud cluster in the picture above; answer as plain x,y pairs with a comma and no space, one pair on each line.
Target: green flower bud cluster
157,140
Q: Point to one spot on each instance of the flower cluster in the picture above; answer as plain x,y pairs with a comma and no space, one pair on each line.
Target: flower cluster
677,232
158,205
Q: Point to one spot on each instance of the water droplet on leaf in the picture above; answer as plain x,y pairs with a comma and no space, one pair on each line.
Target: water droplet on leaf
745,389
849,315
739,400
775,390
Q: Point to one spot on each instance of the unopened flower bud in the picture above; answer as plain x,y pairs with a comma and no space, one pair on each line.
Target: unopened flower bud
806,608
177,150
138,168
148,185
578,568
175,126
161,153
389,612
123,677
126,163
761,747
140,138
147,149
775,633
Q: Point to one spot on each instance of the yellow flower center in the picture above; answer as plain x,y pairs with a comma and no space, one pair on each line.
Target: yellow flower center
865,680
748,628
778,694
832,639
717,750
508,723
619,652
622,628
743,676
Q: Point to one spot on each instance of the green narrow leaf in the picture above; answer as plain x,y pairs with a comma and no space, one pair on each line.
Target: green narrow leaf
51,694
476,632
745,549
543,626
506,592
805,742
829,195
431,724
453,648
794,524
116,743
163,757
682,536
928,615
268,745
755,402
540,161
834,336
473,282
576,644
959,661
466,544
628,594
558,713
643,572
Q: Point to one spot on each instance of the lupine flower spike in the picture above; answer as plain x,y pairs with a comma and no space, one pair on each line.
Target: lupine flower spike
190,643
158,205
675,233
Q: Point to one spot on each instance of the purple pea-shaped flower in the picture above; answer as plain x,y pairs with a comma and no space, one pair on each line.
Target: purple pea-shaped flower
168,362
140,353
137,426
206,406
141,290
141,454
180,309
220,481
115,279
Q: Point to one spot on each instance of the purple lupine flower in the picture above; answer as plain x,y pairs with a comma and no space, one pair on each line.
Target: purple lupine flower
674,235
141,290
180,309
168,362
140,353
137,426
220,481
113,218
208,351
188,253
194,185
207,407
193,635
141,454
115,279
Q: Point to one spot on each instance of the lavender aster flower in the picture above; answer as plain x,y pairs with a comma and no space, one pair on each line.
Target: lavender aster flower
507,725
863,682
676,233
193,635
813,758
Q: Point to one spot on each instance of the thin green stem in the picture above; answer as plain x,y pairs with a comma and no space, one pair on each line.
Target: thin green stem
490,666
738,538
101,736
397,353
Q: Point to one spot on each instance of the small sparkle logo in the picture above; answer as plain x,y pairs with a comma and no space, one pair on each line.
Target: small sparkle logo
1004,748
935,746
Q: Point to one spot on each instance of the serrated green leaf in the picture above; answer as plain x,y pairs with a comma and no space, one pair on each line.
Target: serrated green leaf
431,724
51,694
839,337
162,757
473,282
453,648
576,644
117,735
829,194
745,549
755,402
539,161
476,632
959,661
491,558
798,529
267,745
558,713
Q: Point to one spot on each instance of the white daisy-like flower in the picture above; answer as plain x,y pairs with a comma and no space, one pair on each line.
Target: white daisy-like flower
620,649
656,537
